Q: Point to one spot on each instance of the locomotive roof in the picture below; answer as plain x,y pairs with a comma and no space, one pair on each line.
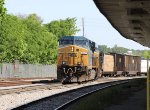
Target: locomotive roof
73,38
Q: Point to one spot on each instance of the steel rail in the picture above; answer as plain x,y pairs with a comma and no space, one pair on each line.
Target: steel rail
27,88
86,94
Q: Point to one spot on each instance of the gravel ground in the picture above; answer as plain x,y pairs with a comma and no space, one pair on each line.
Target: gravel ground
12,100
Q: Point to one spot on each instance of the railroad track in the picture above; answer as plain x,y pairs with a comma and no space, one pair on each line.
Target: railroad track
23,81
28,88
24,88
61,100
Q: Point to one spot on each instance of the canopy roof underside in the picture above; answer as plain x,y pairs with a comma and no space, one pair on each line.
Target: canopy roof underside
131,18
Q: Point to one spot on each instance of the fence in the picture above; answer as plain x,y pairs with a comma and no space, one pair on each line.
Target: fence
9,70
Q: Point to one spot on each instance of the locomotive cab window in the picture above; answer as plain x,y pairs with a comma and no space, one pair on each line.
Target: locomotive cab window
81,43
66,42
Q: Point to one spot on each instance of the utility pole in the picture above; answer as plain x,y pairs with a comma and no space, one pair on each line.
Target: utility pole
83,26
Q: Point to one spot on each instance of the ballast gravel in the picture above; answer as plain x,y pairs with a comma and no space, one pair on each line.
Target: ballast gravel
10,101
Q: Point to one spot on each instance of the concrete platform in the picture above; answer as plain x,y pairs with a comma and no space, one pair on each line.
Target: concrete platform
135,102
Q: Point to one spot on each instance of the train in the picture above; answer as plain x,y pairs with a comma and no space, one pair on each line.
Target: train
79,59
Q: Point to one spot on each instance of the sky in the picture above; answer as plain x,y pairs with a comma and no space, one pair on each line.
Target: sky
96,26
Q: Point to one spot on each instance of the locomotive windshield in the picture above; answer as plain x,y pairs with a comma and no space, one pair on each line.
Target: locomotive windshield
81,42
66,42
73,40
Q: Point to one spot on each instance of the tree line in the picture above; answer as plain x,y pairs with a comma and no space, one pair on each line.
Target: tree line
27,39
123,50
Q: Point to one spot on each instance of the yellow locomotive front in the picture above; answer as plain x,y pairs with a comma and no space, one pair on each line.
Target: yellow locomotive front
75,58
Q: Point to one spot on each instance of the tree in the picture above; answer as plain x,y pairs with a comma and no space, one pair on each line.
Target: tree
61,28
104,48
146,54
2,9
41,44
27,40
118,49
12,45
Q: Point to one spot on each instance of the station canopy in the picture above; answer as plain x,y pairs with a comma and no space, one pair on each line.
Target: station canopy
131,18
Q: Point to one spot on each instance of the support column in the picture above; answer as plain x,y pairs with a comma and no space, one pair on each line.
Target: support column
148,85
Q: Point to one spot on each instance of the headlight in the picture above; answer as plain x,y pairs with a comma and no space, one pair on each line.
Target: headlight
79,63
72,49
63,62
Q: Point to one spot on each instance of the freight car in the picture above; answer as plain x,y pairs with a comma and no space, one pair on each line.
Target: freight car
121,65
126,64
132,66
145,63
108,65
78,59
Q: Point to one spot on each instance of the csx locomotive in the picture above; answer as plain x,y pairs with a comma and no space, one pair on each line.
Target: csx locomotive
80,60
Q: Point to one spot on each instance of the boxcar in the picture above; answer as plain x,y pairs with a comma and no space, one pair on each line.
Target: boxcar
119,62
108,65
126,64
144,65
132,65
